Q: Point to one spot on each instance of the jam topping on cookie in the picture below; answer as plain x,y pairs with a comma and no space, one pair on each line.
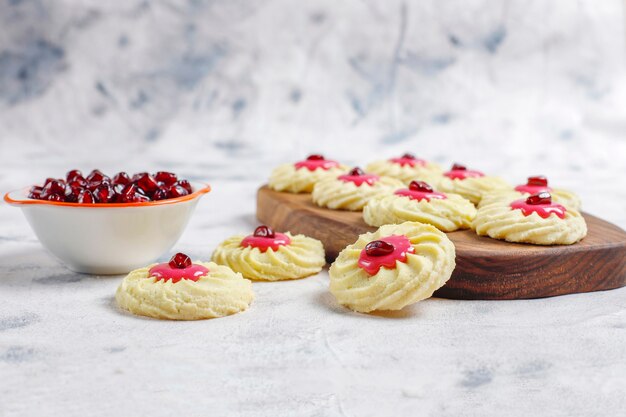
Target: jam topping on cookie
178,268
534,185
408,159
316,161
540,203
419,190
384,253
460,172
359,177
264,238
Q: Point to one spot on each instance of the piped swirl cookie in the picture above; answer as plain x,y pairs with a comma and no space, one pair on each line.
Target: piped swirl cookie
393,267
534,185
407,168
300,177
469,184
182,290
420,203
270,256
353,190
535,220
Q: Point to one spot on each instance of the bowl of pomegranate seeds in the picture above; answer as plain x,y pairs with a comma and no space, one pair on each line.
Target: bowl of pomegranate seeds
105,225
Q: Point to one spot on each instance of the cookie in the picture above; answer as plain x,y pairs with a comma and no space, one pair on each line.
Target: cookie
470,184
534,185
407,168
352,191
182,290
393,267
270,256
535,220
300,177
420,203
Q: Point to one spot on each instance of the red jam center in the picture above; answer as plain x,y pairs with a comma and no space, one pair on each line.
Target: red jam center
165,272
263,243
314,162
541,204
461,174
408,159
376,255
358,177
536,184
420,195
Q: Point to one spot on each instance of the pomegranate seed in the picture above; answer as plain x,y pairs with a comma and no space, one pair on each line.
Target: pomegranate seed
264,231
458,167
54,197
543,197
408,156
160,194
176,191
420,186
379,248
35,192
54,187
356,171
136,177
538,180
104,193
49,180
316,157
167,178
128,193
185,184
180,261
72,193
73,174
96,176
77,182
86,197
121,178
141,198
147,183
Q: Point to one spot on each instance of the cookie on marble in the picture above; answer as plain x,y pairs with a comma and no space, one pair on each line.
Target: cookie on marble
420,203
535,219
407,168
470,184
300,177
353,190
270,256
393,267
182,290
534,185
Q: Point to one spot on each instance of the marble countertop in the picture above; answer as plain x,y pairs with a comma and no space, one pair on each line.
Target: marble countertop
65,349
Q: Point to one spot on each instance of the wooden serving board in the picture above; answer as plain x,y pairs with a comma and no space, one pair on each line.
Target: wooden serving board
486,269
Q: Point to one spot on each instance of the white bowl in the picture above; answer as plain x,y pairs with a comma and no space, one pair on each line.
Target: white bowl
107,239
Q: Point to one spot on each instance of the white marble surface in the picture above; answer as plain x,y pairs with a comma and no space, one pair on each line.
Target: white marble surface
223,91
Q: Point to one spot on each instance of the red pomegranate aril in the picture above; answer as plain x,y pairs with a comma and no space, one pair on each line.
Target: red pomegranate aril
356,171
55,197
49,180
420,186
180,261
73,174
78,182
186,185
176,191
54,187
264,231
315,157
538,180
379,248
104,193
141,198
540,198
128,193
121,178
71,193
96,176
35,192
408,156
160,194
458,167
167,178
147,183
86,197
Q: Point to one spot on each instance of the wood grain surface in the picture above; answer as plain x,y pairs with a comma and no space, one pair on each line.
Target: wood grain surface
486,268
